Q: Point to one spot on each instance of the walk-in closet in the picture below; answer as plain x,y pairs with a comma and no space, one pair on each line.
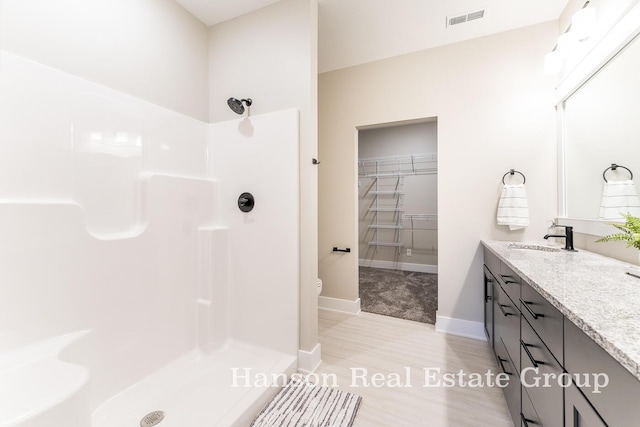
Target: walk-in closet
398,219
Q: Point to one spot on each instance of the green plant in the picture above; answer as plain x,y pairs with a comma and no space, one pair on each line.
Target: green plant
630,232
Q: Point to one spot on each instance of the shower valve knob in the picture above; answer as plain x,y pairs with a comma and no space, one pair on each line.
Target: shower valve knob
246,202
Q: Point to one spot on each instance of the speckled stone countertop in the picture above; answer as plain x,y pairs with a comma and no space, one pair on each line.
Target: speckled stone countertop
591,290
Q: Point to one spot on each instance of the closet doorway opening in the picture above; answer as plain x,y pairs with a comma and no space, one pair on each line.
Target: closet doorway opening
398,219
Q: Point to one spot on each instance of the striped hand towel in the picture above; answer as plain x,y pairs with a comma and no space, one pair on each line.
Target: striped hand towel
513,208
619,197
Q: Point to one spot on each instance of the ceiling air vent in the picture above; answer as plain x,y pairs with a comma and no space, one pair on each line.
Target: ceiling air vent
461,19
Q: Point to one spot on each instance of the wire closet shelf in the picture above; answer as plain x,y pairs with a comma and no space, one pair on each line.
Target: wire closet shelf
387,174
414,164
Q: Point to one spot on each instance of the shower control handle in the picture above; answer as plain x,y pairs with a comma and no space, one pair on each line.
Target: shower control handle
246,202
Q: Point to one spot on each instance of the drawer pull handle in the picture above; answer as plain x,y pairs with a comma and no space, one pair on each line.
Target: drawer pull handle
535,362
534,314
504,312
506,279
526,421
487,298
500,360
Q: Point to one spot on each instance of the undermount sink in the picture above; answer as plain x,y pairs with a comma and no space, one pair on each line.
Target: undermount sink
534,247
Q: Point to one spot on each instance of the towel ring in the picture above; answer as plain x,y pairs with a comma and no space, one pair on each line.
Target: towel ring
614,167
513,172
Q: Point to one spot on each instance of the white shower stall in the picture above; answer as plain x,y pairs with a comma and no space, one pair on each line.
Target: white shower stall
130,282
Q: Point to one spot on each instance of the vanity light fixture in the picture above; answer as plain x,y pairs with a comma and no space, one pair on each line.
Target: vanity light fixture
582,25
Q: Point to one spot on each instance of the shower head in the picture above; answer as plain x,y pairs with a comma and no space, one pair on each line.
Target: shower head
236,104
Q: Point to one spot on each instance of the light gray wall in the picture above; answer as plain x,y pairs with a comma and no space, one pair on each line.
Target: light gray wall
495,111
151,49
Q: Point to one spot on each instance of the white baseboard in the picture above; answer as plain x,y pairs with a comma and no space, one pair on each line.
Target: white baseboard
343,305
403,266
463,328
308,361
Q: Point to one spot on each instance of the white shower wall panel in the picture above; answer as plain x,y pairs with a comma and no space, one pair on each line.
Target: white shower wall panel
66,137
102,201
123,252
260,155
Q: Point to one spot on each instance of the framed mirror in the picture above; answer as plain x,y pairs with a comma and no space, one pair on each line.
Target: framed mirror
599,132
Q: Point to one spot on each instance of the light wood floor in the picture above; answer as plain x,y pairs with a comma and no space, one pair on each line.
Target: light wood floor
388,345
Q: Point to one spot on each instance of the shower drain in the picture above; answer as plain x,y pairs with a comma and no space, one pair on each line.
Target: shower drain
152,419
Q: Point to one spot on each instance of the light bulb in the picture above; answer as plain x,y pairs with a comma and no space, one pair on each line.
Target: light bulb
583,23
553,63
566,44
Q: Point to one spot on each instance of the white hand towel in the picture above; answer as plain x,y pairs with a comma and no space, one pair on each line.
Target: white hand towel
619,197
513,208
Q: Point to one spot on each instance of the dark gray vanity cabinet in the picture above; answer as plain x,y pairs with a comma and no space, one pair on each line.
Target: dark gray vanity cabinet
522,319
520,350
618,404
506,330
532,341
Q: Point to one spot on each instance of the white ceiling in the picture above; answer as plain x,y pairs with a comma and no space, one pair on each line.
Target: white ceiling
212,12
353,32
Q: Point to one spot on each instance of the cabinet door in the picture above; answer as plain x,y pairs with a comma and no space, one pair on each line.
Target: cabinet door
488,305
588,363
578,412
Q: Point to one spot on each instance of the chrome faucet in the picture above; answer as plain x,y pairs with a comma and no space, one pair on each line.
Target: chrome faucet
568,237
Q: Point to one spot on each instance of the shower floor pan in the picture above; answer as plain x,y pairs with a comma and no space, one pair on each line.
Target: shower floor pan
198,390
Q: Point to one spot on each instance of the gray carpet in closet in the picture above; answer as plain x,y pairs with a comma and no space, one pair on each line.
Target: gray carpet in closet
403,294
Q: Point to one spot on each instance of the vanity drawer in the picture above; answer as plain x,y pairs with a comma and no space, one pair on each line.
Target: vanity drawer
512,390
545,319
537,364
510,282
617,403
529,416
492,262
507,325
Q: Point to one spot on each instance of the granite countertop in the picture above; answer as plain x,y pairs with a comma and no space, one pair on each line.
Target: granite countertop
591,290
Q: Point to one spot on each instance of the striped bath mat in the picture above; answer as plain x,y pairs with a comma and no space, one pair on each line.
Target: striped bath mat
301,403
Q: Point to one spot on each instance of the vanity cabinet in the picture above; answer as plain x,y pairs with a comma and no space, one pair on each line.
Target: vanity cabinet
521,318
552,364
